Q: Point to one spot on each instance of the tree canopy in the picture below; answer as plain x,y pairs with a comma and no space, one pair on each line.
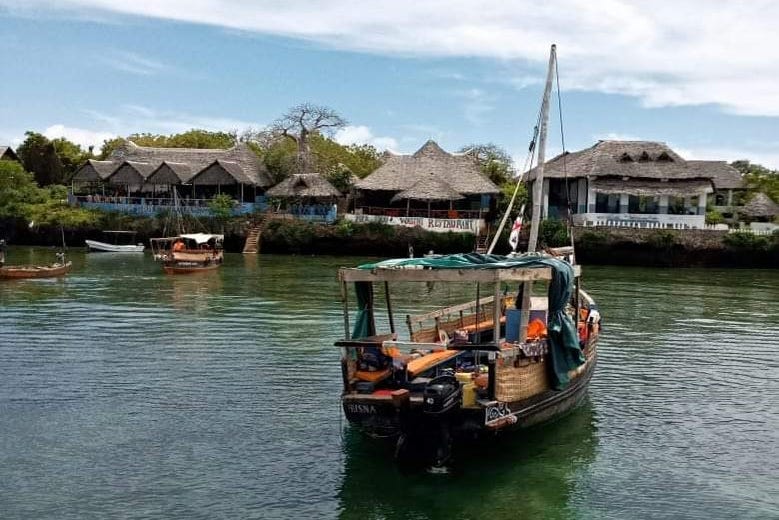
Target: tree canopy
52,161
300,124
759,178
20,197
195,138
496,163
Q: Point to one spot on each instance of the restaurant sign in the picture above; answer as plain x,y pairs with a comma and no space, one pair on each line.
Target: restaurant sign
440,225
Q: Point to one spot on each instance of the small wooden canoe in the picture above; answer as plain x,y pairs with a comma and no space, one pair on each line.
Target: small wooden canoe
34,271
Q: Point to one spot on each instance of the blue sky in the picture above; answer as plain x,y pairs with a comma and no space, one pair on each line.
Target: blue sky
457,72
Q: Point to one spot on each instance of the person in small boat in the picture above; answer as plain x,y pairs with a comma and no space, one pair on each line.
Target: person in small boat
178,245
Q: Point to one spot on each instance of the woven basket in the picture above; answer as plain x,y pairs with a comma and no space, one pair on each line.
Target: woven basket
521,379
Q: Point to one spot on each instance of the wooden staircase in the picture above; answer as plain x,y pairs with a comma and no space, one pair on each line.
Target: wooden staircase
252,245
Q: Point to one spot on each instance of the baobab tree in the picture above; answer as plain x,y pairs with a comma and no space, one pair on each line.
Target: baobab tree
300,122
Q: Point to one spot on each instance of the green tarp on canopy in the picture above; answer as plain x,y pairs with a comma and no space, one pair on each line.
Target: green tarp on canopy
563,340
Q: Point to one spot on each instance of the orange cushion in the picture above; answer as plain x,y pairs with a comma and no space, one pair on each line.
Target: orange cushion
372,377
419,365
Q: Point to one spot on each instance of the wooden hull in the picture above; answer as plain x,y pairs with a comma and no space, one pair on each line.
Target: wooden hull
32,271
381,419
189,269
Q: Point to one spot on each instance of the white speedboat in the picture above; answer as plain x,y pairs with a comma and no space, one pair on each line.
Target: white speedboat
115,246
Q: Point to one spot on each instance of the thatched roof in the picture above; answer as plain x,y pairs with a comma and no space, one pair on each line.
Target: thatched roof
304,185
170,173
761,205
253,169
650,187
7,153
131,172
429,188
220,172
94,171
723,175
401,172
640,159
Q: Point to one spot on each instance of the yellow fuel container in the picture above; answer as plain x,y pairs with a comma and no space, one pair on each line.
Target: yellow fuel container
469,395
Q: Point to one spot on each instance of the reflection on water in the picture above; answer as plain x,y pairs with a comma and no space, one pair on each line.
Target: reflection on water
125,392
527,474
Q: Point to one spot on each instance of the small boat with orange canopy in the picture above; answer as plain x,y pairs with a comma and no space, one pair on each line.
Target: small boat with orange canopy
189,253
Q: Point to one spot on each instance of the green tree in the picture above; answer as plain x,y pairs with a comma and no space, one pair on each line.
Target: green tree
221,207
759,178
495,162
195,138
108,147
71,156
21,198
302,122
18,190
39,156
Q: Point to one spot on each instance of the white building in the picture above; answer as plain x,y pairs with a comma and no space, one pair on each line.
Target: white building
636,183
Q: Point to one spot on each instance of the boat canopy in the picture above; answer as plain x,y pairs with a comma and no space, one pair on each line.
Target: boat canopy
202,238
563,339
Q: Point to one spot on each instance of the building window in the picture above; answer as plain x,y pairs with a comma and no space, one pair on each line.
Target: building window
643,204
605,203
676,206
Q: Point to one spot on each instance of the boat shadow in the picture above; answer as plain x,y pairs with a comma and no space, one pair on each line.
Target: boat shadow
529,474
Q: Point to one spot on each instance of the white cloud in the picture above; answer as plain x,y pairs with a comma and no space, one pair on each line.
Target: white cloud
477,105
132,63
128,119
83,137
363,135
766,156
667,53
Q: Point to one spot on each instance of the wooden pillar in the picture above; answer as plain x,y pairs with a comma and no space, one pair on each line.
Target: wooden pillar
389,307
345,301
545,202
496,305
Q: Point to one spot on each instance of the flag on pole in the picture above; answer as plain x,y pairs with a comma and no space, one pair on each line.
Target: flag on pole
515,229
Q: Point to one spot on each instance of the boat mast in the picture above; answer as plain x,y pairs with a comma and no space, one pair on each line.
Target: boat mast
538,183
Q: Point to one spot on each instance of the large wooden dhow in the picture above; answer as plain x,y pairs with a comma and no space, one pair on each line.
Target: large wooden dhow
508,359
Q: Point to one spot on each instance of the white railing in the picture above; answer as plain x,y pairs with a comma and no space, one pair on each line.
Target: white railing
751,231
640,221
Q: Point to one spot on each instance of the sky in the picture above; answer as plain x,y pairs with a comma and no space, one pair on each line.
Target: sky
699,75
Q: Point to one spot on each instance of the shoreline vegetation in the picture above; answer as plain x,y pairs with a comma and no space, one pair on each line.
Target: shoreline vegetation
594,246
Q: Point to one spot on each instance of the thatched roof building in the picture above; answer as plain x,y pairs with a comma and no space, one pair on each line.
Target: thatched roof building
169,172
760,206
131,173
94,171
304,186
429,188
722,175
7,153
237,164
401,172
652,162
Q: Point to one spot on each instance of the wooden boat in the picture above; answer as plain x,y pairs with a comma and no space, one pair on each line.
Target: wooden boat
114,246
189,253
497,363
34,271
504,361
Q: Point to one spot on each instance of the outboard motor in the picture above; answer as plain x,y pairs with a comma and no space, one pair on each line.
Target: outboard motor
442,394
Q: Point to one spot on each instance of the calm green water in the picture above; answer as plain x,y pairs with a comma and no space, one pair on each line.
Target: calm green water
125,393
